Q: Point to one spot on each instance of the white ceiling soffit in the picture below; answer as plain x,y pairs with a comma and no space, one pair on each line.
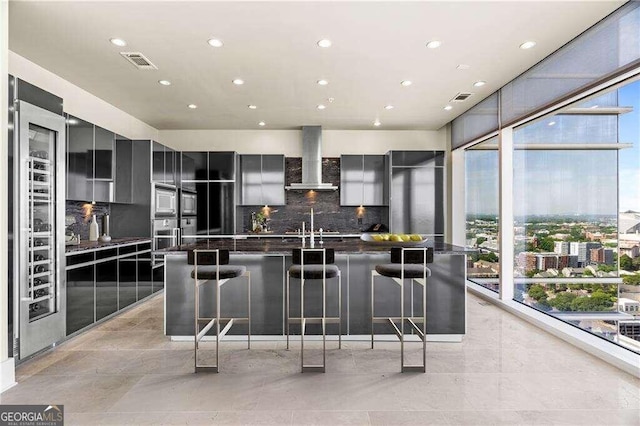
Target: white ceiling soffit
272,47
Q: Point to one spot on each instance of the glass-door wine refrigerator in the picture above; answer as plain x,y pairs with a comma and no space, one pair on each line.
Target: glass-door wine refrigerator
39,231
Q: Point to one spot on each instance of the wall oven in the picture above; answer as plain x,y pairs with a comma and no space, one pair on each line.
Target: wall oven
164,201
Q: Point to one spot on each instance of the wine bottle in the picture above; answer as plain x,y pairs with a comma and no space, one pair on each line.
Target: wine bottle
38,257
34,307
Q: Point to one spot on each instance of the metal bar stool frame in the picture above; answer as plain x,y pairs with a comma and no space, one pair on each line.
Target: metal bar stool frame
412,320
216,321
314,320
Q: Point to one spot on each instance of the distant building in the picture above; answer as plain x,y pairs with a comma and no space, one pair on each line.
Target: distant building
628,306
526,260
630,250
629,222
545,261
601,255
582,250
561,247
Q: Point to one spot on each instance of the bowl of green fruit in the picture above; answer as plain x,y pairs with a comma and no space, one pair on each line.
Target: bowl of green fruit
397,240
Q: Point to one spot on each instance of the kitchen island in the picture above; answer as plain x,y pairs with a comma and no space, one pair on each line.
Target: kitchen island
268,259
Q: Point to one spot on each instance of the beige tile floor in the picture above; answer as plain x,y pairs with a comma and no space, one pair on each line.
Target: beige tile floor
125,372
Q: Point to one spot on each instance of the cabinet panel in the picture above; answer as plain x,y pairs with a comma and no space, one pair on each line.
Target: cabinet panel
169,166
414,200
79,159
127,277
106,288
141,175
158,162
220,208
124,171
251,180
221,165
158,278
103,151
145,279
80,298
374,178
351,177
413,158
273,180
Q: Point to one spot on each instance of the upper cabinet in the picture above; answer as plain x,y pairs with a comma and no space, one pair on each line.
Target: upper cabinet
364,180
133,171
90,165
198,166
261,180
164,164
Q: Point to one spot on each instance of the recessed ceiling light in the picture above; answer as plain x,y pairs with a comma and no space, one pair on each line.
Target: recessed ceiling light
262,124
434,44
324,43
192,106
463,67
323,82
406,83
72,121
252,106
164,82
552,123
321,106
388,107
238,82
479,83
118,42
214,42
448,108
377,123
527,45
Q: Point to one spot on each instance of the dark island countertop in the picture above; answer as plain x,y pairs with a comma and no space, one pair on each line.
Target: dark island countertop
96,245
285,246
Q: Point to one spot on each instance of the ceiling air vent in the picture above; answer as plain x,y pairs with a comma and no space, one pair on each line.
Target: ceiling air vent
138,60
461,97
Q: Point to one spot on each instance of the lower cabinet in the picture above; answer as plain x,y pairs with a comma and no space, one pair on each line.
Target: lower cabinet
80,298
101,282
127,281
106,288
158,277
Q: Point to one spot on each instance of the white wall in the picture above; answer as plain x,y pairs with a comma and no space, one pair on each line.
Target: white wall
79,102
289,142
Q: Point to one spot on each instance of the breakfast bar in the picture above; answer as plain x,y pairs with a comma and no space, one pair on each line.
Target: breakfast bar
268,259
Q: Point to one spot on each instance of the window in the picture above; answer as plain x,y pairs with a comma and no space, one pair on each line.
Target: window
481,175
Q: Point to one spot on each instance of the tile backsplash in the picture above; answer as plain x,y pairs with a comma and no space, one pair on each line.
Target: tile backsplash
78,217
328,214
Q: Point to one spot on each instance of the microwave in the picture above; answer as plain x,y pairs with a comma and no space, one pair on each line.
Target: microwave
165,202
188,204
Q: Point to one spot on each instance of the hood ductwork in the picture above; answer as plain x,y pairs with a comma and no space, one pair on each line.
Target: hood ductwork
312,162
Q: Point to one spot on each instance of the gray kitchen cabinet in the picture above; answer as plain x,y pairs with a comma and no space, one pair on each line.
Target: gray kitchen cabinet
90,152
164,164
261,180
364,180
417,192
132,172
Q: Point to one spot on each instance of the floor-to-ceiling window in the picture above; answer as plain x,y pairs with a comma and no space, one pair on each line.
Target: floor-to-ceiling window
482,202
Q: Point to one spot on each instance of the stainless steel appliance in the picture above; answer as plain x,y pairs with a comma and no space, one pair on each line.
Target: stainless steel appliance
188,203
188,229
40,233
165,201
165,234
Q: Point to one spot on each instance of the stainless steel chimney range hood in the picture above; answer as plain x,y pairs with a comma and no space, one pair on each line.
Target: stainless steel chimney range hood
311,162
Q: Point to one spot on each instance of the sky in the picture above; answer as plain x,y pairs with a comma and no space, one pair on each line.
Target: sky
565,182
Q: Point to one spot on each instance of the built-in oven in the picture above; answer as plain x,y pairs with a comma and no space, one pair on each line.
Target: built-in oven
165,201
166,233
188,203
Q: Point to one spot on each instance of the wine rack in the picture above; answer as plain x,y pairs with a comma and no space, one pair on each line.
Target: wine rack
41,284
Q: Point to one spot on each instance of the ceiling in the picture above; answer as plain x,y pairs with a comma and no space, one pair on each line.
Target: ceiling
272,47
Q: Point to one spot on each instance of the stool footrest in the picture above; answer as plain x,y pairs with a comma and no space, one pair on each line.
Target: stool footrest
417,329
206,368
413,368
315,320
380,320
395,328
226,329
313,369
207,327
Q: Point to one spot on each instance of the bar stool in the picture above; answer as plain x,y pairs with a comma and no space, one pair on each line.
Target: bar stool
411,264
314,264
213,265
